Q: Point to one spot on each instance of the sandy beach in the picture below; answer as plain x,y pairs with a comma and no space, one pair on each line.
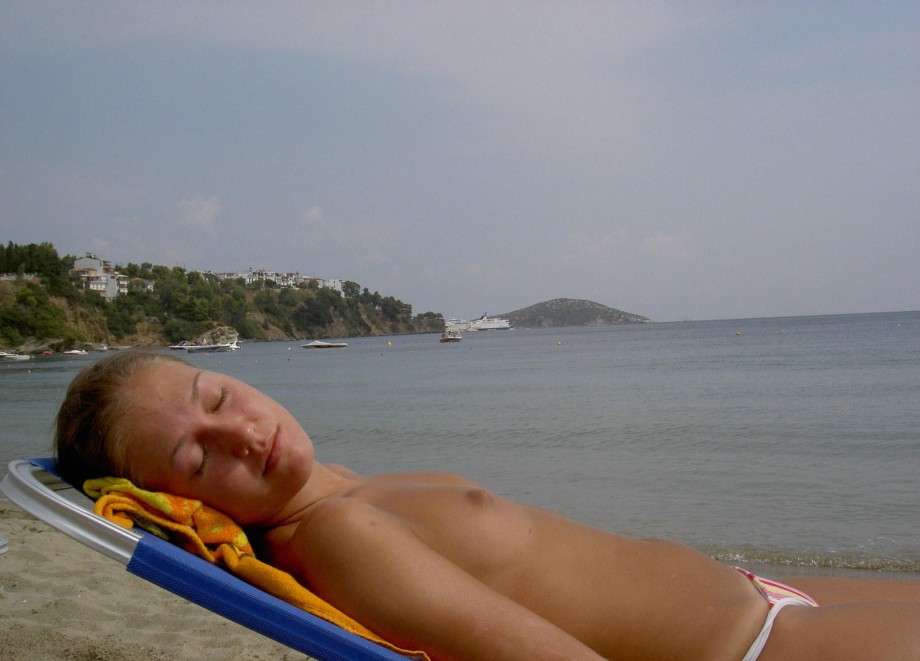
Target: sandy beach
61,600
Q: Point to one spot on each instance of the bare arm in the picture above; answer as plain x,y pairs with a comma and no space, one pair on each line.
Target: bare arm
370,565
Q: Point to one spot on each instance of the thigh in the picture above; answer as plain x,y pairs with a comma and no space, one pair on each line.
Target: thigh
831,590
872,630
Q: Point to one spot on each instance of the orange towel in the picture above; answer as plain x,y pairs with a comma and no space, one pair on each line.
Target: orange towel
214,536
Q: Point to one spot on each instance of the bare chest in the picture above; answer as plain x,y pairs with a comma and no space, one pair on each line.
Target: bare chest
474,528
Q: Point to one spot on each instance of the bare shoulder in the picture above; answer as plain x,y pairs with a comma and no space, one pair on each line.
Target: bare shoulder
426,479
343,515
342,471
336,529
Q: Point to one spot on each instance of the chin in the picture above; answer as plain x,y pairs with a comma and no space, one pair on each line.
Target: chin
300,468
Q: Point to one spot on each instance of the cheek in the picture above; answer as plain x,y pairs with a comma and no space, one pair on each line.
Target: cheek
187,462
224,479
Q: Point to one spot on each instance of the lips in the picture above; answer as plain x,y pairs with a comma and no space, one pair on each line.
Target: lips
274,453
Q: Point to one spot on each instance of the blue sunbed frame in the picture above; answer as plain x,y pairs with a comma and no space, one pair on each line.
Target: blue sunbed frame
35,487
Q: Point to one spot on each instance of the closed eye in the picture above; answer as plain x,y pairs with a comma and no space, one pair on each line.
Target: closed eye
224,392
204,461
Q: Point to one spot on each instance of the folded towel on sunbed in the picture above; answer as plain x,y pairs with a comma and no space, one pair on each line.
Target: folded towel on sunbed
212,535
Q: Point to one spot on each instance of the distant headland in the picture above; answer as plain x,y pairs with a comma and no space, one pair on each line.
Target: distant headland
570,312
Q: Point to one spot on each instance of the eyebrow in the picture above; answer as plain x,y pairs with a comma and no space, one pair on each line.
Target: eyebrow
195,392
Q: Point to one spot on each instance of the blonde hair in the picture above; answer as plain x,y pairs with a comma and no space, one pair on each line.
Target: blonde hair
89,438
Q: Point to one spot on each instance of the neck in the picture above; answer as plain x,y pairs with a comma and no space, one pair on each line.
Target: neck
324,482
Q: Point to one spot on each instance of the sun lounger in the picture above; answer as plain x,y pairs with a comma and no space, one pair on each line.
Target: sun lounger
33,486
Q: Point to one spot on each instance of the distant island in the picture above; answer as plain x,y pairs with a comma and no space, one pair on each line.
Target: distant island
570,312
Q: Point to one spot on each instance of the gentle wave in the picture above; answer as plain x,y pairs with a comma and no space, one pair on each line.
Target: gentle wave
790,559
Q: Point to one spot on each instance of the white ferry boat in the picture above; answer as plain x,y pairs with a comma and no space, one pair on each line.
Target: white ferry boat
485,322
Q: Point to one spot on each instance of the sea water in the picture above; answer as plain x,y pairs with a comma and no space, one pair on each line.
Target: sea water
791,441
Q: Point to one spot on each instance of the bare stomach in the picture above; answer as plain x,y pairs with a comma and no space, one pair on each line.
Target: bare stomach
618,595
623,597
627,596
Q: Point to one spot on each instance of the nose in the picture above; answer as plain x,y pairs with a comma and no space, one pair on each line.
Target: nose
232,435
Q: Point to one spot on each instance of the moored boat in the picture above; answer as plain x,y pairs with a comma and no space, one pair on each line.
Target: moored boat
319,344
7,356
451,335
214,348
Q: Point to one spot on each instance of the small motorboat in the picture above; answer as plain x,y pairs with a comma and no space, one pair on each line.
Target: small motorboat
214,348
451,335
319,344
184,345
7,356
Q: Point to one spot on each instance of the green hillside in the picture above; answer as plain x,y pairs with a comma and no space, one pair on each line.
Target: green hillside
44,306
570,312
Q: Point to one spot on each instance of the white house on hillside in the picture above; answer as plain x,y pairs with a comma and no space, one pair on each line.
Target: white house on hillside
289,279
99,276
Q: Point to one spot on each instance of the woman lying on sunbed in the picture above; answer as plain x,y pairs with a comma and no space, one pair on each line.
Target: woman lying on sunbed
437,562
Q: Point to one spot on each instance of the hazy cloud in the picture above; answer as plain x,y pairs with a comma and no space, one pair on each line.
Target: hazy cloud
199,214
668,246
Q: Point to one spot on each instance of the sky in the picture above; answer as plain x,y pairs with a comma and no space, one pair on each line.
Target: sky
679,160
